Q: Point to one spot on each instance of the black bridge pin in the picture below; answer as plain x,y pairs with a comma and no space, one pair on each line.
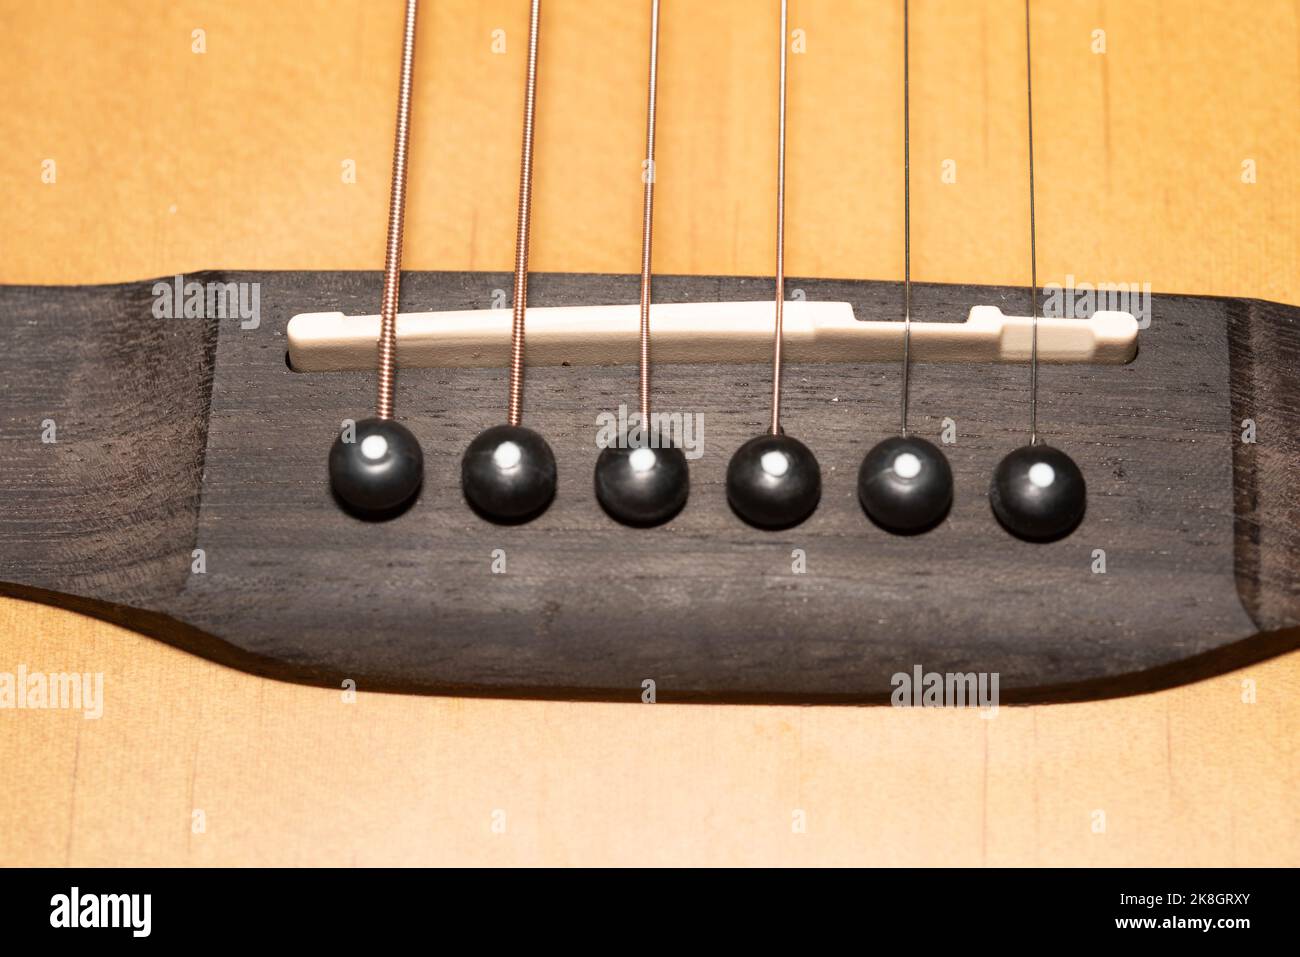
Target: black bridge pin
644,482
773,480
1038,493
376,468
508,472
905,482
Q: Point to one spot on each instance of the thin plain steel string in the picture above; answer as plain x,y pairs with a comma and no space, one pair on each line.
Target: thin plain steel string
396,214
907,224
1033,246
523,224
648,174
780,237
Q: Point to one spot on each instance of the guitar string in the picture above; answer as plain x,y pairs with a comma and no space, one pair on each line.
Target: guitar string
907,224
780,236
393,251
396,214
1033,245
520,302
648,174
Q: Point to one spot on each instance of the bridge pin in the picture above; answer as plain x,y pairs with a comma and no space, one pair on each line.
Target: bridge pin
641,483
1037,493
377,468
508,472
905,482
773,480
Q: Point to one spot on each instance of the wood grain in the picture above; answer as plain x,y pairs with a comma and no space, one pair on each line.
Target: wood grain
160,455
1266,395
286,774
171,161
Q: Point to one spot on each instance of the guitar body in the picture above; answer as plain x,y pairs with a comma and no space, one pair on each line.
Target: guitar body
321,690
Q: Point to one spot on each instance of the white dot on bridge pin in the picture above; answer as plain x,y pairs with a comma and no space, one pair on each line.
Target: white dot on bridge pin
1041,474
774,463
374,447
907,466
642,459
507,455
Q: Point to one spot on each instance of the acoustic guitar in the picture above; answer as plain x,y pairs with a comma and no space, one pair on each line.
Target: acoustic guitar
952,393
